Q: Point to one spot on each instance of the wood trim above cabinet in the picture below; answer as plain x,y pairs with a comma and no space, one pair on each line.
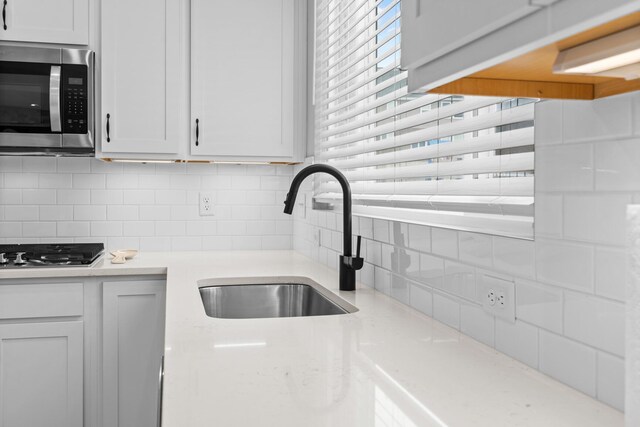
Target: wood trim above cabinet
530,74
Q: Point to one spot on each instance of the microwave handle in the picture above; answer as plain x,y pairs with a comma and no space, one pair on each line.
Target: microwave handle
54,98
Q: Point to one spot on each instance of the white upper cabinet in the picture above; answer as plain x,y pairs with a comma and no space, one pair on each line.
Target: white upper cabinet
432,28
141,76
243,79
45,21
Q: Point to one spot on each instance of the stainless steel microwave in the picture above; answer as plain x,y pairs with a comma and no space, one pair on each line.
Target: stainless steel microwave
46,101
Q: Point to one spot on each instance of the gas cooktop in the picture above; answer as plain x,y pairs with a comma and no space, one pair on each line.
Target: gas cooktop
50,255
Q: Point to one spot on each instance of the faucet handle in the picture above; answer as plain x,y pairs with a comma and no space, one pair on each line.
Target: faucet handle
355,262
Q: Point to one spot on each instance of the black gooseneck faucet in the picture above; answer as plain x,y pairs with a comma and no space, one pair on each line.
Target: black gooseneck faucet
348,263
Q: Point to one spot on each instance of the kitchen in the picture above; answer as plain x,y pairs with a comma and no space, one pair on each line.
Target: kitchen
473,305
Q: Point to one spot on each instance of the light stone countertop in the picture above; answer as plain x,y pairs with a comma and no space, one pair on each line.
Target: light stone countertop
386,364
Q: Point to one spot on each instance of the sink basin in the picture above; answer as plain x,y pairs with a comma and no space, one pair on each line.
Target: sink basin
228,299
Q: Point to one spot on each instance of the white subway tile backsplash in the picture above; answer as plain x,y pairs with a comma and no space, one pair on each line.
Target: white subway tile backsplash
56,213
431,271
540,305
106,228
21,180
155,243
21,213
617,165
54,180
610,273
399,233
15,197
365,226
382,280
548,215
122,213
11,164
171,228
74,228
121,181
596,321
74,165
609,118
611,380
419,237
139,228
381,230
564,168
400,289
89,213
518,340
596,218
172,197
138,197
476,248
568,361
39,164
514,256
73,197
446,310
549,113
565,264
39,229
444,242
86,180
476,323
155,212
421,298
460,280
10,230
184,243
30,197
107,197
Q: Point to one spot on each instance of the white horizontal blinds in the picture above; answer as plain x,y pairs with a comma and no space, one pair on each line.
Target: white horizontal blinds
440,156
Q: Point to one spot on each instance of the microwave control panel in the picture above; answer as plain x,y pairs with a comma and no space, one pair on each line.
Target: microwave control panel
74,99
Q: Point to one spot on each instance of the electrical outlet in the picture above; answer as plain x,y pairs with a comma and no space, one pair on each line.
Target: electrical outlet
491,297
499,297
206,204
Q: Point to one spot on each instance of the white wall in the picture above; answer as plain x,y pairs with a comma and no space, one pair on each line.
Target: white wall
146,206
569,282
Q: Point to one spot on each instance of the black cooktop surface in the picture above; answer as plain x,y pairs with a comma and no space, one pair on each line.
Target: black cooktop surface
50,255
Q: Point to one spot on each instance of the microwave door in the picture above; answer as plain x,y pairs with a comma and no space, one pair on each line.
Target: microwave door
26,101
54,98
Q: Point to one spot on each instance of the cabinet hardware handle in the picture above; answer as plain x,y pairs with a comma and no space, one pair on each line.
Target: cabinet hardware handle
4,14
197,132
108,137
160,387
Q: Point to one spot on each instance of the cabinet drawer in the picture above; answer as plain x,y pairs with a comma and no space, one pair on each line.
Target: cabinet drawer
41,300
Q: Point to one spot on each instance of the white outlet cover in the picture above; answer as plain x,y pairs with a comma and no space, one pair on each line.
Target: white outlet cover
205,205
499,287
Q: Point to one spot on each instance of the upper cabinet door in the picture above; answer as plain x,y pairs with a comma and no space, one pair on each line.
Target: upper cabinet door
242,78
45,21
432,28
141,82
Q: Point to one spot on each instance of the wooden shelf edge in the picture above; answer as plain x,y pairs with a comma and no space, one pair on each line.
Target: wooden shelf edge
518,88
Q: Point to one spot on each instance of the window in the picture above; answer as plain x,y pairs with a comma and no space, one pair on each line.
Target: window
455,161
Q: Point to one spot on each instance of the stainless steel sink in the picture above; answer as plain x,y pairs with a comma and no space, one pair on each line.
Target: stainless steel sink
283,298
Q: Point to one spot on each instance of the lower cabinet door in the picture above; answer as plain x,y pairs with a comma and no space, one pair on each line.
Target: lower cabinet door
133,346
41,367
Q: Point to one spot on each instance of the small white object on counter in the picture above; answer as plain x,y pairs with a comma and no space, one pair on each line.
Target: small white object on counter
120,256
386,363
